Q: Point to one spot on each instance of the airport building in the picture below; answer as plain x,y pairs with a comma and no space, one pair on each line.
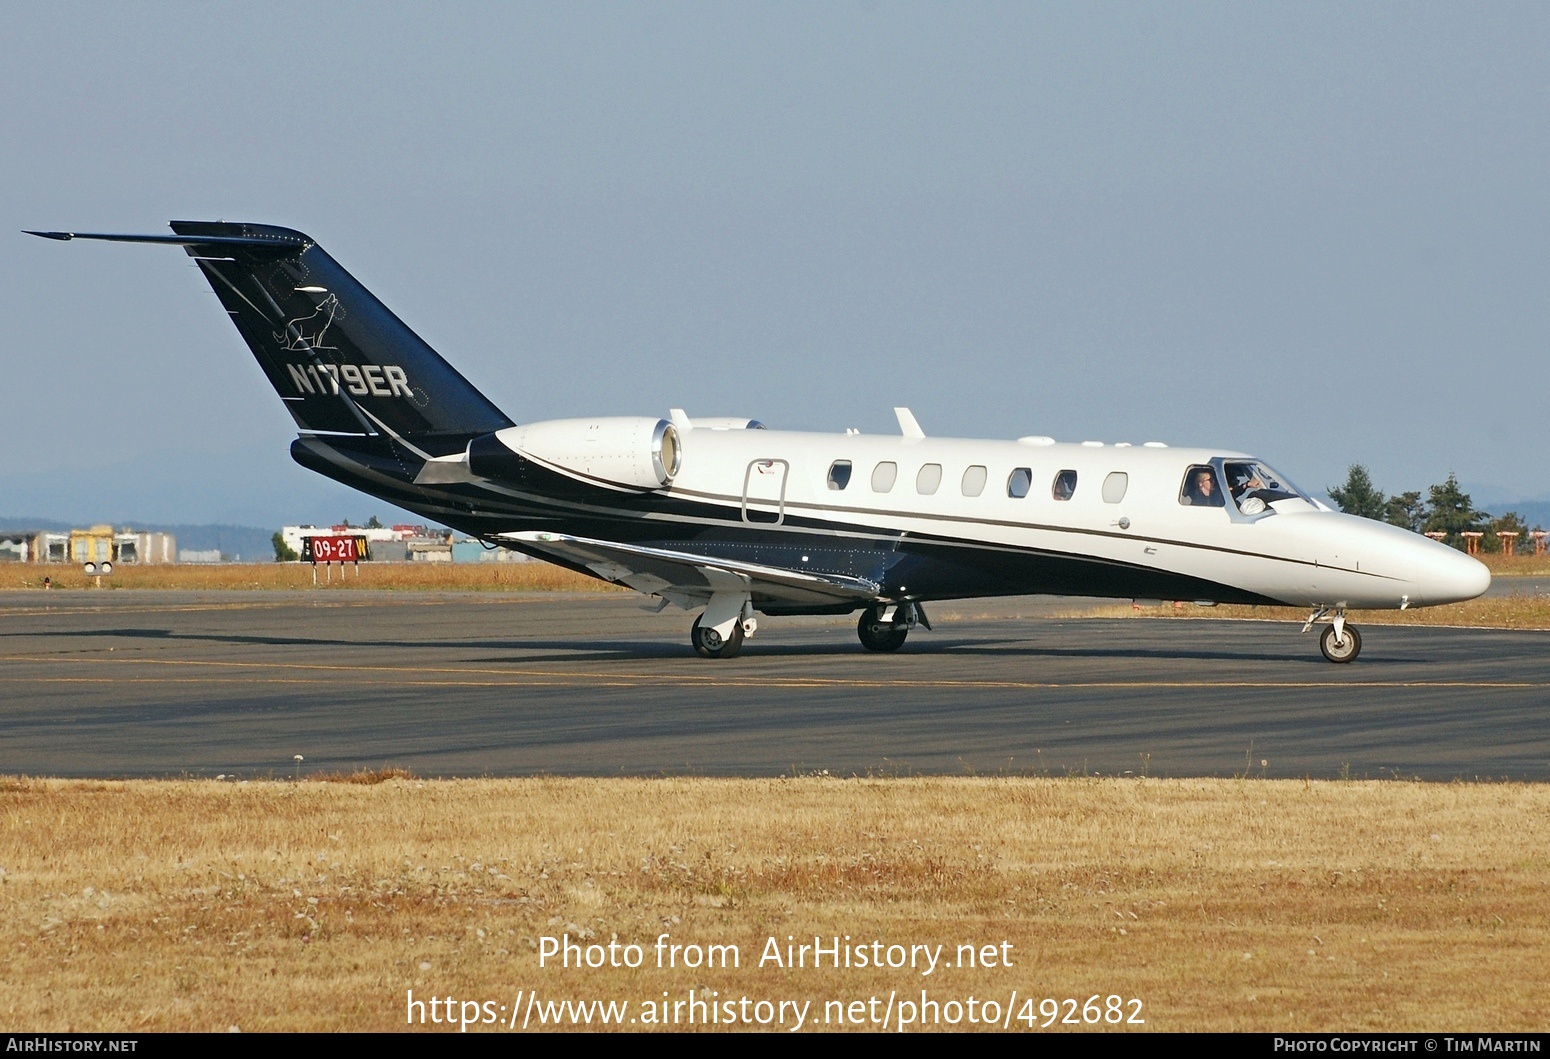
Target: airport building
97,544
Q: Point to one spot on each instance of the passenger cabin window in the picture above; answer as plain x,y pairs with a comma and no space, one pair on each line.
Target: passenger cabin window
839,474
1019,482
1114,487
929,479
974,481
883,477
1200,488
1064,485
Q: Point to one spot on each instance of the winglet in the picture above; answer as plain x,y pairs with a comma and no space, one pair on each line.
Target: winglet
907,424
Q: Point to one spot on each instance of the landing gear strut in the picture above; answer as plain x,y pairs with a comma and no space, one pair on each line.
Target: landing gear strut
884,626
1340,642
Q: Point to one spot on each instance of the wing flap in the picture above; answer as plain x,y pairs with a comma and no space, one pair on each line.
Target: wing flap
689,580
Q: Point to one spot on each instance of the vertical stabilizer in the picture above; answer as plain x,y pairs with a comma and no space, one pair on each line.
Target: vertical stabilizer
341,361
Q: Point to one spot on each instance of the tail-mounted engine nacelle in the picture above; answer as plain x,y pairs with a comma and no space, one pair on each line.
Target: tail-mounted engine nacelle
634,451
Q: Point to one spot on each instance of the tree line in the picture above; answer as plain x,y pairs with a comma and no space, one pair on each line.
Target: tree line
1447,509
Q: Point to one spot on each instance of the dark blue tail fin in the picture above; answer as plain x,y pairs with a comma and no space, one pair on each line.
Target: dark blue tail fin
339,358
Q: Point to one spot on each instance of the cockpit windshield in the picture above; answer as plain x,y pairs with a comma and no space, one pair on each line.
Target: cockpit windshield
1254,485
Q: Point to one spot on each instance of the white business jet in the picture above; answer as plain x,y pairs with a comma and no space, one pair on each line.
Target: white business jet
724,515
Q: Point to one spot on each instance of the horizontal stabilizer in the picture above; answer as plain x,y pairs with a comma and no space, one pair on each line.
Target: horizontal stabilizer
251,242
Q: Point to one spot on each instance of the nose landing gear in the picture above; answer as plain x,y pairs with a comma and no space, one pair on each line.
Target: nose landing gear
1338,649
1340,642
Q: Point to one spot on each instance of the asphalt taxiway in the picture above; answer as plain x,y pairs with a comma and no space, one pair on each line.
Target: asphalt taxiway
130,683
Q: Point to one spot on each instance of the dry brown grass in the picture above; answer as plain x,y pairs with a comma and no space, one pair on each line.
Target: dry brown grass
364,777
1498,612
1517,565
1223,905
397,577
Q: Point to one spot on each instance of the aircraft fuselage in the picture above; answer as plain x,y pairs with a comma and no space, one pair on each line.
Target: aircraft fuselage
768,497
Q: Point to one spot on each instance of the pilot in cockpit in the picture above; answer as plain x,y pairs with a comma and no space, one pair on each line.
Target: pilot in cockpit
1200,489
1244,483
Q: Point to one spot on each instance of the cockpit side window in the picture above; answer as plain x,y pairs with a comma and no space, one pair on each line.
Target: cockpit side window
1064,486
839,474
1200,488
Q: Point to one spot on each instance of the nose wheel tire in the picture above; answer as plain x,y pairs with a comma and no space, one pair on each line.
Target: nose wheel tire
708,643
877,635
1337,650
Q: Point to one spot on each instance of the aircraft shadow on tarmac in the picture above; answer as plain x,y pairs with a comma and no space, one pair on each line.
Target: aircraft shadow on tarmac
581,651
963,649
574,650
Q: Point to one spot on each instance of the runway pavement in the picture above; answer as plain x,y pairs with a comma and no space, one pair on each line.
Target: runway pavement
121,683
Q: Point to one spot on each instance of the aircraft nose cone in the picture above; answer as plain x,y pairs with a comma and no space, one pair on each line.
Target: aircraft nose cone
1450,576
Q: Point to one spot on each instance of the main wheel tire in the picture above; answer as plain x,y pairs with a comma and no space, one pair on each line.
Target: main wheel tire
878,635
1340,651
708,643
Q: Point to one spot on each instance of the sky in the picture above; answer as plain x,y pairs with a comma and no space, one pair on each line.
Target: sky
1314,232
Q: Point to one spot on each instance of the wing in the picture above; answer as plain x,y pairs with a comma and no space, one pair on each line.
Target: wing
690,580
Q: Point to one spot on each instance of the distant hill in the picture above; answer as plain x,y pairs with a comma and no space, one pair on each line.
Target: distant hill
1533,512
249,542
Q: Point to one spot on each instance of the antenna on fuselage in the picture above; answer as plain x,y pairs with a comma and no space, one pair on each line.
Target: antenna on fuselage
907,424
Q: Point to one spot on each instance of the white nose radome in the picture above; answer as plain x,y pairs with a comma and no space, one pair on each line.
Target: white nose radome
1446,575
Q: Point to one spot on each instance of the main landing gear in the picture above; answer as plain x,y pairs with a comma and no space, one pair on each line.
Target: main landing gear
884,626
729,620
710,643
720,631
1340,642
